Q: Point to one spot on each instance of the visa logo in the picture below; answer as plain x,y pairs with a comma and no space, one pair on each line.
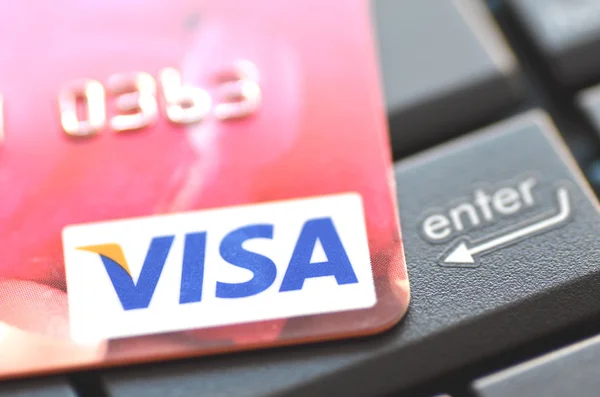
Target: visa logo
217,267
137,295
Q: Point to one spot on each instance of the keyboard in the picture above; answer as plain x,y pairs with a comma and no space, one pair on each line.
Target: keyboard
493,110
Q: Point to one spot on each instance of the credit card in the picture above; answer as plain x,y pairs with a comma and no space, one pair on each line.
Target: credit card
187,178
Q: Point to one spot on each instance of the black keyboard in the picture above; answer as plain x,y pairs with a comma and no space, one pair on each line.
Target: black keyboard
501,229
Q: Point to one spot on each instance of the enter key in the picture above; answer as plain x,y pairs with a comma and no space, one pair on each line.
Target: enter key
502,242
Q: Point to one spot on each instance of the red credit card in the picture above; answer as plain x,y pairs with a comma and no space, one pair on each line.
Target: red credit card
184,178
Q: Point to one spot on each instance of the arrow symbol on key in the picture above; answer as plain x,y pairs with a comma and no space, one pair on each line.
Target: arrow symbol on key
464,254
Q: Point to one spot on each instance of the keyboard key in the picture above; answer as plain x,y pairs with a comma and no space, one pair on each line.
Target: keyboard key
501,240
567,32
571,371
589,102
57,387
440,81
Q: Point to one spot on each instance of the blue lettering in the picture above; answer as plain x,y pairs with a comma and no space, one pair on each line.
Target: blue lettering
192,273
263,268
138,295
337,265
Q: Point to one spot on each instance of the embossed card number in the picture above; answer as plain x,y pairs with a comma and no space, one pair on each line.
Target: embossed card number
135,94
